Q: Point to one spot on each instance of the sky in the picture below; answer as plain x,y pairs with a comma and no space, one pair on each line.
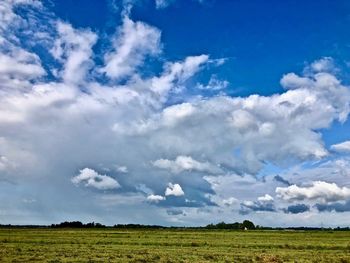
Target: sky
175,112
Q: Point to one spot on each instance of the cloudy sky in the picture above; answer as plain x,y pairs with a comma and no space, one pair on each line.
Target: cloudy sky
175,112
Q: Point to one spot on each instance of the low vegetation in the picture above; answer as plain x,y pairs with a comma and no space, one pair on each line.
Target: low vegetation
119,244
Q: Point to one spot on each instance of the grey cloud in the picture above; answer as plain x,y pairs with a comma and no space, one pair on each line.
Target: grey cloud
248,207
186,163
296,209
175,212
264,203
337,207
280,179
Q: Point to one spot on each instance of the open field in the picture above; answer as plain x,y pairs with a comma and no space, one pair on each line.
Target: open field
115,245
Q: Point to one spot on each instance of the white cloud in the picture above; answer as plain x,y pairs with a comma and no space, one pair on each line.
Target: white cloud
230,201
7,14
325,64
265,198
92,179
293,81
5,164
185,163
336,170
176,73
20,65
18,68
319,190
174,189
213,85
155,198
165,3
29,200
173,114
121,169
341,147
162,3
74,48
134,41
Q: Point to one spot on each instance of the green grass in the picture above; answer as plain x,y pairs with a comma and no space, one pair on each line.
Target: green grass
114,245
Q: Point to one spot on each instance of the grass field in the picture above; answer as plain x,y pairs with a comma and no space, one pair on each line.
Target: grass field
114,245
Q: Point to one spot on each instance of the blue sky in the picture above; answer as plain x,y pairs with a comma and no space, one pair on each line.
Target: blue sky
175,112
261,41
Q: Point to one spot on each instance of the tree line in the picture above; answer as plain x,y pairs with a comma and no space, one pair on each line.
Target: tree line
245,225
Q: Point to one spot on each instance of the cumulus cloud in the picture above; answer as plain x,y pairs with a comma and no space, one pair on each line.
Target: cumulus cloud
323,191
325,64
91,178
341,147
266,198
293,81
174,189
185,163
273,128
155,198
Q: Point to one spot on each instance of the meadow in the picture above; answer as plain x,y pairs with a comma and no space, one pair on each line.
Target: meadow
171,245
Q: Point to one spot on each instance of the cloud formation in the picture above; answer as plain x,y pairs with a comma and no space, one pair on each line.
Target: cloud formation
185,163
174,189
340,207
74,49
264,203
341,147
133,42
155,198
323,191
75,105
91,178
297,209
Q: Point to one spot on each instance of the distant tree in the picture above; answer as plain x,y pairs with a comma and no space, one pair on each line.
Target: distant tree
221,225
77,224
248,224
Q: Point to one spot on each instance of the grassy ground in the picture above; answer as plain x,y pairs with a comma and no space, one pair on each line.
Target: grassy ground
114,245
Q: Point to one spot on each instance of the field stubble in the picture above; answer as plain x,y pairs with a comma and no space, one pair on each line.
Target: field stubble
115,245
